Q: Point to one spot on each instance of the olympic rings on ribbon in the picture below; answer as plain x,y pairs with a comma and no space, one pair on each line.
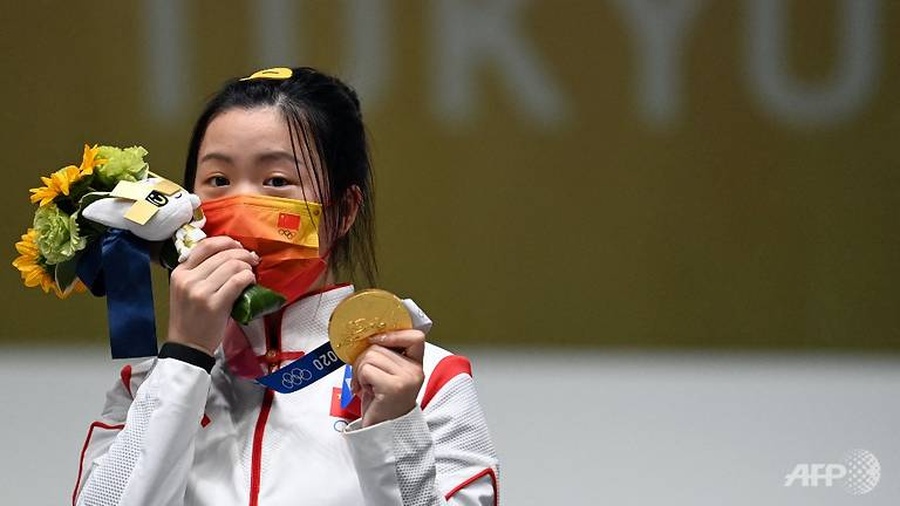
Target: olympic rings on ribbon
295,377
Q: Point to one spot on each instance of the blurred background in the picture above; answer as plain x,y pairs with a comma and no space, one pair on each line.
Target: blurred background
664,230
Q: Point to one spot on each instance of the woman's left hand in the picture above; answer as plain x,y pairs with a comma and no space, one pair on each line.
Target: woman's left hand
387,376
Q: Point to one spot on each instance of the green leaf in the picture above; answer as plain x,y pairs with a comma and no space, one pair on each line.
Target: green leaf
256,301
90,198
88,228
168,255
66,273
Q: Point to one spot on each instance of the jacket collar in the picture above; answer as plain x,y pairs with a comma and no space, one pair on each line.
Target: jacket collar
302,327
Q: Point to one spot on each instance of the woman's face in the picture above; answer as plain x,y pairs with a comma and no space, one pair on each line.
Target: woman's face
248,152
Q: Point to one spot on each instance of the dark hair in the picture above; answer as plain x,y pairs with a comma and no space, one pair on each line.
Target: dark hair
324,113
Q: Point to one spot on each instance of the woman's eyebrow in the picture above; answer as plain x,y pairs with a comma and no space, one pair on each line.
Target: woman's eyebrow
217,156
272,156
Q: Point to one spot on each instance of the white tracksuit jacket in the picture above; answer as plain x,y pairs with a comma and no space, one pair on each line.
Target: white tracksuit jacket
173,434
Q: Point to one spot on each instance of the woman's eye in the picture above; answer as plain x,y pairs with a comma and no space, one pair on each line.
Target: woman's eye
218,181
276,181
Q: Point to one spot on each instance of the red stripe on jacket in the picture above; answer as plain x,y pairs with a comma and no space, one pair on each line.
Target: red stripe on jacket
87,442
473,479
125,374
445,370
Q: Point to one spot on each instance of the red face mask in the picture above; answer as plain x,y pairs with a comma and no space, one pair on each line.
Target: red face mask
283,232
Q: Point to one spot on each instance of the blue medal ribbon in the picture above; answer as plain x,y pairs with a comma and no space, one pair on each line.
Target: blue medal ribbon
304,371
322,361
118,266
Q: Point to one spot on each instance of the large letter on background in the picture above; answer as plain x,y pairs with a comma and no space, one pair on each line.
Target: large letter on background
168,78
659,28
469,35
367,61
275,29
799,103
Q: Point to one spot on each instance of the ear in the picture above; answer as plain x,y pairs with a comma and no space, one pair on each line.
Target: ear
351,203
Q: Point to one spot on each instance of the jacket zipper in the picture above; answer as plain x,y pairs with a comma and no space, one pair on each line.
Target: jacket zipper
256,459
273,342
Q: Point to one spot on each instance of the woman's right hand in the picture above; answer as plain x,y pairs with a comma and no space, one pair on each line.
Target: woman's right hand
203,289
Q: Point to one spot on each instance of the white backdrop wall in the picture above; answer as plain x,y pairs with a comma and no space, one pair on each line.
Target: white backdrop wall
587,427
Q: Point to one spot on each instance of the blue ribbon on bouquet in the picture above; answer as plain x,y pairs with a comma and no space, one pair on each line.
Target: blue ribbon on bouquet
118,266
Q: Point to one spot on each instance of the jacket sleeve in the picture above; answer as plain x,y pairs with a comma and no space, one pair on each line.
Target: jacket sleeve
145,448
440,453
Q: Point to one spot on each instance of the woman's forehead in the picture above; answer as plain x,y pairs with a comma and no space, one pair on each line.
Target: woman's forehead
258,131
240,129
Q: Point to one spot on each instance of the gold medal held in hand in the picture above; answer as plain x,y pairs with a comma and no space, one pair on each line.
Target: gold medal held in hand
362,315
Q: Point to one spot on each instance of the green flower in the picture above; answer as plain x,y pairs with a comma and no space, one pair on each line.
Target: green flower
121,165
57,234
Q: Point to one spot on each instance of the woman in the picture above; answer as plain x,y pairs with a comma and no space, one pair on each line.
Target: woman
191,427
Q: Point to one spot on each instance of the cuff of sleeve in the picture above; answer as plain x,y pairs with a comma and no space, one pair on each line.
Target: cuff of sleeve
394,459
384,427
187,354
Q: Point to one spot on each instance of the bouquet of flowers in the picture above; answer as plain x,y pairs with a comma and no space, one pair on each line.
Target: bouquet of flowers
50,249
94,228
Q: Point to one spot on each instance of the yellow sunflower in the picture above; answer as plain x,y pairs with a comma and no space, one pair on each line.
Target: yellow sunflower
60,181
77,287
28,263
89,160
35,274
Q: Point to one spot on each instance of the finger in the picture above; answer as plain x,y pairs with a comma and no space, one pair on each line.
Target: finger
236,284
371,376
381,358
197,281
393,355
208,266
411,342
365,398
225,271
208,247
401,371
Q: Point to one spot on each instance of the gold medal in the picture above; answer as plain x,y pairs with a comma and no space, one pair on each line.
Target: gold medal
362,315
